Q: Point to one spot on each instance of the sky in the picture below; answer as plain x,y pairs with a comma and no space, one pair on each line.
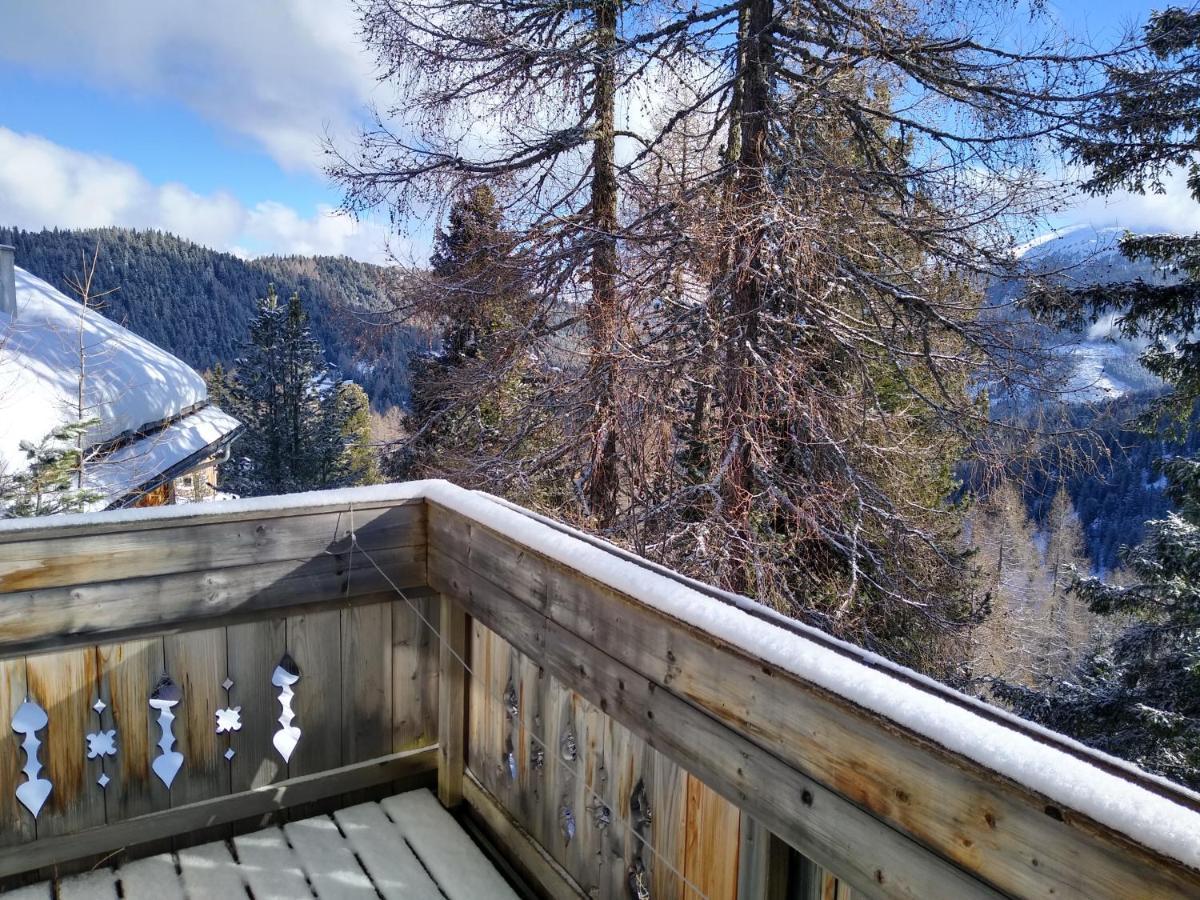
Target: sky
206,120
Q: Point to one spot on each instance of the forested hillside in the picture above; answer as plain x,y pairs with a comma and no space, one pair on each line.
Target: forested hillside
198,303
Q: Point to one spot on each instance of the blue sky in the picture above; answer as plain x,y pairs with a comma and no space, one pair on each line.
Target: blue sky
206,119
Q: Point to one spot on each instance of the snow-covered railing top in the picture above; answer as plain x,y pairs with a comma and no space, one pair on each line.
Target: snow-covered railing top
898,785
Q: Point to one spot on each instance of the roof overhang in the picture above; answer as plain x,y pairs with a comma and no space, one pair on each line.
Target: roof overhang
136,467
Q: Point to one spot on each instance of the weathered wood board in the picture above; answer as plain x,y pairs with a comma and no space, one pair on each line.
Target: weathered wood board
890,812
581,784
345,705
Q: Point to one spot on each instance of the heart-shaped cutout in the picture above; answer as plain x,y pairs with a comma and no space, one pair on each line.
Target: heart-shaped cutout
33,794
285,741
167,766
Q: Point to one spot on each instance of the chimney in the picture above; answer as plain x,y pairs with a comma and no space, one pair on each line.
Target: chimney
8,282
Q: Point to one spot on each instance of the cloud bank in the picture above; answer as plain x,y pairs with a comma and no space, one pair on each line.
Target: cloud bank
46,185
280,73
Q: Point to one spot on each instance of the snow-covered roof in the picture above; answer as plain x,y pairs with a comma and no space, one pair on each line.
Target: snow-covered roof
148,461
129,383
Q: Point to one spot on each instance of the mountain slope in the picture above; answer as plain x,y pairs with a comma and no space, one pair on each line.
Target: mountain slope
197,303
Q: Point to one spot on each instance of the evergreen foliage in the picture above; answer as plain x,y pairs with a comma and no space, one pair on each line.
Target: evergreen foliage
468,398
50,484
1139,697
304,430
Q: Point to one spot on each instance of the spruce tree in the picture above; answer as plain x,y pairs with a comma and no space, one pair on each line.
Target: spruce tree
299,434
466,397
1139,696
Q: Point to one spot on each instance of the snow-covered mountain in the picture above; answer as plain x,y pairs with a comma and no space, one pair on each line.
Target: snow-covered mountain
1104,364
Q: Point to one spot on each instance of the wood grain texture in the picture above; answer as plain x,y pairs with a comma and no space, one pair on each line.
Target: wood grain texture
196,661
129,670
711,861
16,824
823,824
66,684
452,701
315,642
610,765
55,561
64,616
366,665
412,769
951,806
254,650
415,663
521,848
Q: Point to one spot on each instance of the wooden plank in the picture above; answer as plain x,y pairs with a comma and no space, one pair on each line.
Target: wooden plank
16,824
210,871
66,616
66,685
329,861
129,670
315,642
53,561
394,869
151,878
196,662
812,818
412,768
254,650
762,863
270,867
98,885
366,665
952,806
711,863
166,518
664,857
452,678
415,659
520,847
453,860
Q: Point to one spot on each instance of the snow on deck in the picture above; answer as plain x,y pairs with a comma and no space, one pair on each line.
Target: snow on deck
128,383
406,848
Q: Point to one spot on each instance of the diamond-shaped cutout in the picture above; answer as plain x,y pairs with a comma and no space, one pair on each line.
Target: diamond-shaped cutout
229,753
102,780
227,683
99,706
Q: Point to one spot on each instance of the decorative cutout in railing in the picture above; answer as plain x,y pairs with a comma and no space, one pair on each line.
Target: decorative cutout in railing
168,763
229,718
101,743
287,737
29,720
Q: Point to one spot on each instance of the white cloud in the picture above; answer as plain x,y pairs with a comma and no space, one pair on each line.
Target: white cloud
280,73
1174,210
43,184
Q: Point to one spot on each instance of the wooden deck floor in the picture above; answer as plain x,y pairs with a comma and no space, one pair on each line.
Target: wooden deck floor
406,846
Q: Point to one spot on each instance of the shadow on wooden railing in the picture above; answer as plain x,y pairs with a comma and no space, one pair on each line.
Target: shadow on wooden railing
612,728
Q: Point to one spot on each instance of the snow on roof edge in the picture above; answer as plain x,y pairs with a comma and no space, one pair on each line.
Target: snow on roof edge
1147,818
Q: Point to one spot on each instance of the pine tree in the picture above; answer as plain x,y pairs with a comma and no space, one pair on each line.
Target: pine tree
299,435
50,483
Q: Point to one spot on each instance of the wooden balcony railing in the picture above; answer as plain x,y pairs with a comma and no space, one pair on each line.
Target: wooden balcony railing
611,728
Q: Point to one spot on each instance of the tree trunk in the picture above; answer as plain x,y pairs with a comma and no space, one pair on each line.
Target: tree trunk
747,285
603,479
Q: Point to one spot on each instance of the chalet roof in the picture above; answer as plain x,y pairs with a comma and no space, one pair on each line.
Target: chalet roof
136,389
